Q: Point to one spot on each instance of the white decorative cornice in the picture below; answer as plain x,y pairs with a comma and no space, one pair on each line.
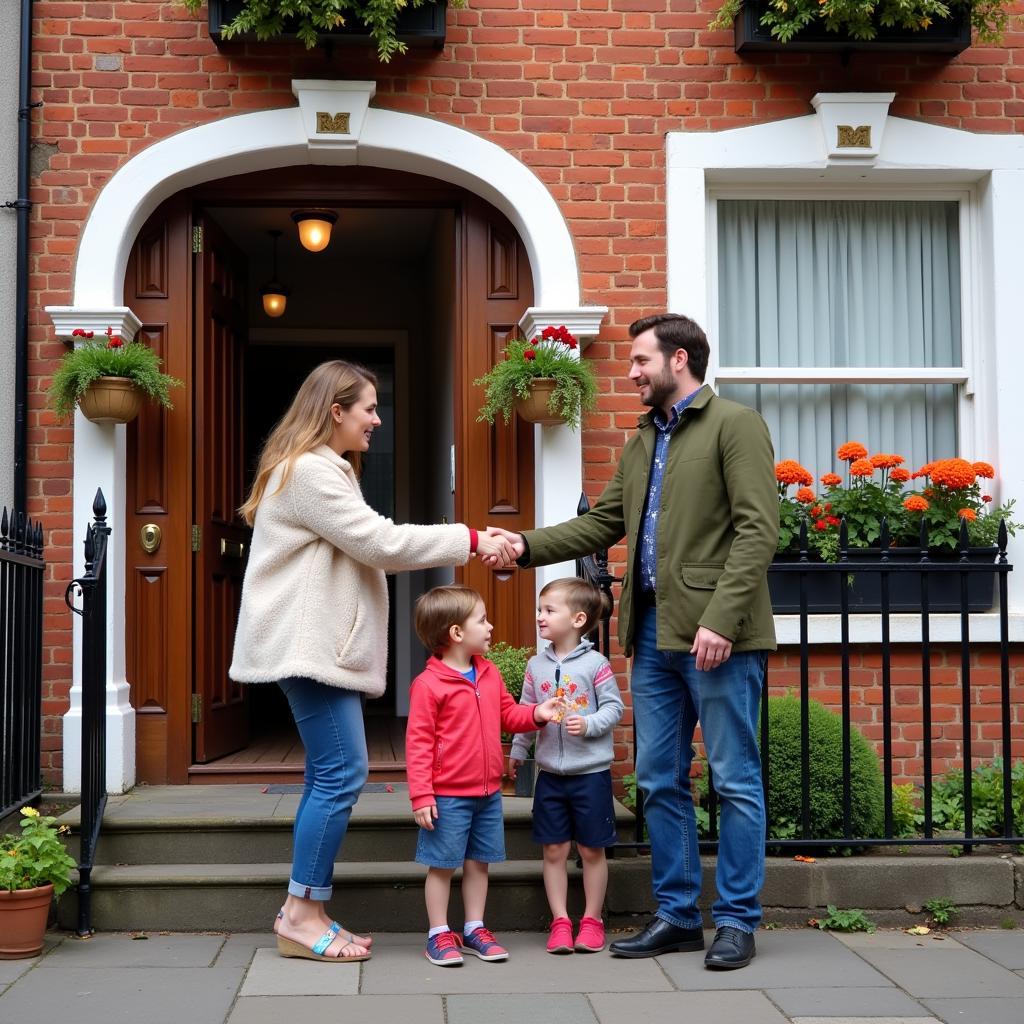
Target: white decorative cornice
68,319
333,112
852,124
583,321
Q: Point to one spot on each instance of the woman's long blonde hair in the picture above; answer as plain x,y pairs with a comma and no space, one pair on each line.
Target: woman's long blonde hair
308,424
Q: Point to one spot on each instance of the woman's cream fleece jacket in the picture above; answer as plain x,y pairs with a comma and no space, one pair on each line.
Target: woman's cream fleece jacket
314,599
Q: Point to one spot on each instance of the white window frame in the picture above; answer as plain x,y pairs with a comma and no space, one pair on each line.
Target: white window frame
985,174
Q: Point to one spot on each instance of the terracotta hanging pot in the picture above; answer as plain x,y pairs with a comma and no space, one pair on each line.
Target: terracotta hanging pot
535,408
111,400
23,915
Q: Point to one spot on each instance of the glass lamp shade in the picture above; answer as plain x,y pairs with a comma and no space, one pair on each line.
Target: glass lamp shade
275,299
314,228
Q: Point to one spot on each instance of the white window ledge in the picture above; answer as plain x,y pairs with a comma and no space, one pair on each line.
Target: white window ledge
903,628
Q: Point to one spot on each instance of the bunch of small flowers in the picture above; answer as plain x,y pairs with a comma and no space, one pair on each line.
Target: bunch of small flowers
571,700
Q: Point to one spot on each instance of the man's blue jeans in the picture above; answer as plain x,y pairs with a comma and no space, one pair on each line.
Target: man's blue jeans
670,695
330,723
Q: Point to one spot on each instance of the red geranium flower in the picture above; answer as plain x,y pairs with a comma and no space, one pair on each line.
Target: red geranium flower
530,353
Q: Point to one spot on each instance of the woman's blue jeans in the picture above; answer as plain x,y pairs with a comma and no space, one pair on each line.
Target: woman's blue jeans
330,723
670,696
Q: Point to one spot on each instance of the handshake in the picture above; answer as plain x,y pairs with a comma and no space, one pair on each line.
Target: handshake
498,548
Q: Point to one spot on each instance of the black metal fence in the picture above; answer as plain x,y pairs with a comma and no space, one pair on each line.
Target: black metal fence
884,581
91,587
21,646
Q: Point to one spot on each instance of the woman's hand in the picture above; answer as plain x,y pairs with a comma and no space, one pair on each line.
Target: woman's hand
426,816
496,552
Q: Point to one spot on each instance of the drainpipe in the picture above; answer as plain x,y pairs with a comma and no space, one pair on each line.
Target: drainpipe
23,206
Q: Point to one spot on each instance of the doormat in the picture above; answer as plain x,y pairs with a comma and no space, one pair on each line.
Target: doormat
370,787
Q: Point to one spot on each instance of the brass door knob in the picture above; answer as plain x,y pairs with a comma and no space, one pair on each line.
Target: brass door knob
150,536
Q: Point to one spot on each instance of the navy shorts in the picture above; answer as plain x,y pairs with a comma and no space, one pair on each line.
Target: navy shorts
467,828
576,807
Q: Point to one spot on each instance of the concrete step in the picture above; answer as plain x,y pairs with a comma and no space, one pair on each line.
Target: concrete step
381,896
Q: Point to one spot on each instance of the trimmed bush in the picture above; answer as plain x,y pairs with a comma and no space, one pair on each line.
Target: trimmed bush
867,810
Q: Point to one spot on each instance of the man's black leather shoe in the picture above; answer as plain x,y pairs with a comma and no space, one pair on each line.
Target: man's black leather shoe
732,948
659,937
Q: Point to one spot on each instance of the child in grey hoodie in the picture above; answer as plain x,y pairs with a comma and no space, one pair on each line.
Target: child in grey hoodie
573,796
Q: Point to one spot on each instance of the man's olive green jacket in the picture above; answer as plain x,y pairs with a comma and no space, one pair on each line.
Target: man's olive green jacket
718,526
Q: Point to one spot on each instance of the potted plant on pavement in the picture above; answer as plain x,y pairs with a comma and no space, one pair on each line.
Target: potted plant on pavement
543,381
875,488
34,867
109,378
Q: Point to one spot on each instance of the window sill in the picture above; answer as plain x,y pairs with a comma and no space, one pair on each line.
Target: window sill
903,628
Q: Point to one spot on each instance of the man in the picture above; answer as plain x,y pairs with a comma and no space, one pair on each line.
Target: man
695,497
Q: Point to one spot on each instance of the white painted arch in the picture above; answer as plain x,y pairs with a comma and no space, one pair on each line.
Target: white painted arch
269,139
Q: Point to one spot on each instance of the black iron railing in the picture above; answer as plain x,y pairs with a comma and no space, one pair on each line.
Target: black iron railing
91,587
21,644
882,573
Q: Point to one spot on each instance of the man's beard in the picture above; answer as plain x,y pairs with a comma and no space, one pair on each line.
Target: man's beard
659,388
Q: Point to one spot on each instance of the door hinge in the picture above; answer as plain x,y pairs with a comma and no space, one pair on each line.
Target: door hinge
197,238
197,538
197,708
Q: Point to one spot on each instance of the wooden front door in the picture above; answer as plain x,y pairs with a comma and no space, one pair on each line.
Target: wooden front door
220,710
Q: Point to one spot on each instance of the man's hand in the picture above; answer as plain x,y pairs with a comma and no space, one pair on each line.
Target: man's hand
495,550
549,711
426,816
515,540
575,725
513,766
711,648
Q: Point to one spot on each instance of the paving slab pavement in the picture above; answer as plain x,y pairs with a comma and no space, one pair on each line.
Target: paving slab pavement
800,976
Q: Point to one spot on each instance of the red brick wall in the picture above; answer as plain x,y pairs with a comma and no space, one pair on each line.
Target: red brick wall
582,91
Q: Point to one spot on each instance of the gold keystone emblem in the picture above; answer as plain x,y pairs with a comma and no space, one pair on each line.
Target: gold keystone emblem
854,138
331,124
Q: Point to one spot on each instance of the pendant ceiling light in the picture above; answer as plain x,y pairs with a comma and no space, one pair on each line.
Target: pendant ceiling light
315,228
275,295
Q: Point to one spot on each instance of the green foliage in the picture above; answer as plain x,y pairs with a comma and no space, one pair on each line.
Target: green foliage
845,921
941,911
575,390
511,662
986,799
905,813
86,363
860,19
826,774
36,857
268,19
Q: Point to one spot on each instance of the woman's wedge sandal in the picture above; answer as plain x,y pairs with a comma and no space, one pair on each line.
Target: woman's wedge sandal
334,926
291,948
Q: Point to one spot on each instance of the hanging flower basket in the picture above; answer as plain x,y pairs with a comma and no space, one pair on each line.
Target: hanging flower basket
111,400
537,407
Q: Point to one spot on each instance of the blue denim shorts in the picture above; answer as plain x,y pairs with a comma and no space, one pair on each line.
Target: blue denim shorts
576,807
467,828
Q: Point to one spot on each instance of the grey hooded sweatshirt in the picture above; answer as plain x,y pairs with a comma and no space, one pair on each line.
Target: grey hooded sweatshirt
583,671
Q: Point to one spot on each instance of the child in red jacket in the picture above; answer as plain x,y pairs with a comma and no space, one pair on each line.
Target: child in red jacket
458,709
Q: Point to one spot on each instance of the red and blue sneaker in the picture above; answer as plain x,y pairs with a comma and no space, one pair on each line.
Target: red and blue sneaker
443,949
481,943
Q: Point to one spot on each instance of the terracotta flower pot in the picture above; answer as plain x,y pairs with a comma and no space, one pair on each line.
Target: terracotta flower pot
535,408
111,400
23,915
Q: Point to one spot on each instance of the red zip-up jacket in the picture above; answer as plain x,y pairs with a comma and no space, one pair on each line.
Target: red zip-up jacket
453,737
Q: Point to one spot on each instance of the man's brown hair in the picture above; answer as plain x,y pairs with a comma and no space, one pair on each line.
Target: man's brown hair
675,331
581,596
438,610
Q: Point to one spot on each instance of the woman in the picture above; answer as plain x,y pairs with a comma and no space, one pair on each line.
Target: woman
314,619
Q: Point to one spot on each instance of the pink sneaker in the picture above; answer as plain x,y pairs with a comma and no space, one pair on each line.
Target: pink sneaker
560,936
590,937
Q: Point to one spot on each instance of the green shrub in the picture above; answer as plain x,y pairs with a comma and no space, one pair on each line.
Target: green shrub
905,811
867,814
986,799
511,662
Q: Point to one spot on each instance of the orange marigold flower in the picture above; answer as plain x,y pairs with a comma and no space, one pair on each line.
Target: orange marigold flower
850,451
953,473
901,476
968,513
831,479
883,461
805,496
928,492
789,471
816,511
915,503
984,470
925,470
861,467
